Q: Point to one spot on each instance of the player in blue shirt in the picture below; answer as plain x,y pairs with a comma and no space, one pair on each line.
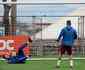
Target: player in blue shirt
68,35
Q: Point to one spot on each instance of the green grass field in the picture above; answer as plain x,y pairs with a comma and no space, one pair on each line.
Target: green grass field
42,65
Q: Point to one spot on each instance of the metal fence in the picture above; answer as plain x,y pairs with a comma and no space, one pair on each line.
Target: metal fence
44,21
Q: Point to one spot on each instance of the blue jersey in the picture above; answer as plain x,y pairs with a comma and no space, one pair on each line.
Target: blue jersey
20,58
12,59
16,59
68,35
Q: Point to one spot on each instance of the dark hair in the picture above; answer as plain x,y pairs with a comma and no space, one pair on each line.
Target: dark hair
68,22
25,44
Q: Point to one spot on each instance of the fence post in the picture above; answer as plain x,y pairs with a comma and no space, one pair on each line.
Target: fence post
81,26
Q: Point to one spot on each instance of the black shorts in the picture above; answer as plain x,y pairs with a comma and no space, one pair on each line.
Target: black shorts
65,48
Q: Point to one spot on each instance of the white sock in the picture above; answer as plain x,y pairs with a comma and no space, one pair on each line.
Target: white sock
71,62
58,62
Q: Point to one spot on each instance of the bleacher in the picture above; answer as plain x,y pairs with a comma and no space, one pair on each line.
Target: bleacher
50,47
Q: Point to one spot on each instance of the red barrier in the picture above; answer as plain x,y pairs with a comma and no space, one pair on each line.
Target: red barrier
8,43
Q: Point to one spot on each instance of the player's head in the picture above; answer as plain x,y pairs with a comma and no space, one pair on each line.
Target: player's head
25,43
68,23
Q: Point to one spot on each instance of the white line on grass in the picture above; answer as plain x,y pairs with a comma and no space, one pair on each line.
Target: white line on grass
76,58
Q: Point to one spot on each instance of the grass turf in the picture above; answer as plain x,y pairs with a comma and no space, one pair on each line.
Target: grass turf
42,65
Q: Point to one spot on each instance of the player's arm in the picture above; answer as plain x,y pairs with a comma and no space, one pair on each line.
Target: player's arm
77,39
75,35
60,35
23,46
30,42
